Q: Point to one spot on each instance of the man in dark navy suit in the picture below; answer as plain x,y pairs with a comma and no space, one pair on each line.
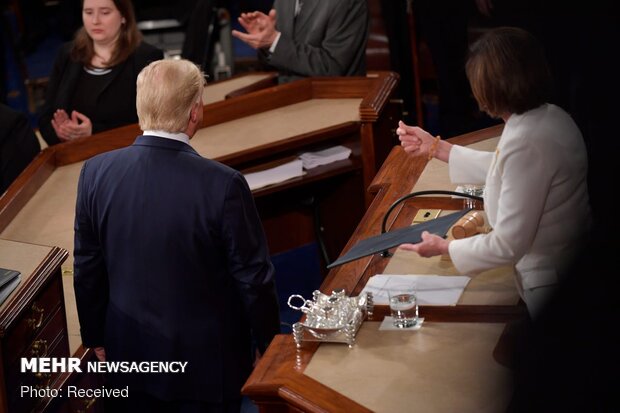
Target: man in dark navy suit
171,262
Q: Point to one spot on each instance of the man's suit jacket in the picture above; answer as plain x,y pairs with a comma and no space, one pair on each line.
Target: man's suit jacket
171,264
116,102
18,145
536,198
327,38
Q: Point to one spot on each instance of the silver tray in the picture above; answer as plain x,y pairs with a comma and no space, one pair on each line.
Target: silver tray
332,318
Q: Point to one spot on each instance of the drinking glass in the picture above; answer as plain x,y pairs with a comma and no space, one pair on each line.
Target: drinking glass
470,189
403,306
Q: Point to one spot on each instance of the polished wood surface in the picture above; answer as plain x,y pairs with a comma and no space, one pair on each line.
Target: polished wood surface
280,206
280,374
279,384
395,179
292,204
359,133
71,403
237,85
32,322
270,79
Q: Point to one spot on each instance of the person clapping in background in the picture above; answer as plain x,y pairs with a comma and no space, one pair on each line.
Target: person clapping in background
92,87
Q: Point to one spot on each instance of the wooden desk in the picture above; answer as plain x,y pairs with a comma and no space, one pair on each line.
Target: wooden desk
456,362
490,296
32,322
248,131
237,86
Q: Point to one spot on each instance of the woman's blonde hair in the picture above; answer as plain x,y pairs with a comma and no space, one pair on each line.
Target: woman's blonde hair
508,72
166,92
128,40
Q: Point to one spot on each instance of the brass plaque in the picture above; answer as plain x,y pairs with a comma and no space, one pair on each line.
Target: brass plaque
424,215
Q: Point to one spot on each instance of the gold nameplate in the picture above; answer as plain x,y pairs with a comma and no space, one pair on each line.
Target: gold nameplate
424,215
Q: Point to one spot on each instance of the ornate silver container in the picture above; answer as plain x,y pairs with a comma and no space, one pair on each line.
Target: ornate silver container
330,318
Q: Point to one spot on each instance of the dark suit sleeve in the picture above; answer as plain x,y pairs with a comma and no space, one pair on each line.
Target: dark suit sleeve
346,34
248,261
90,277
18,145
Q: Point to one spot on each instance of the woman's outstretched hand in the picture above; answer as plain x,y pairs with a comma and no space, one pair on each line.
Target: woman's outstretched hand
413,139
430,246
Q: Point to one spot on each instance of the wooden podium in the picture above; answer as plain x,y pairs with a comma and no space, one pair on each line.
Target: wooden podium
32,322
248,132
443,355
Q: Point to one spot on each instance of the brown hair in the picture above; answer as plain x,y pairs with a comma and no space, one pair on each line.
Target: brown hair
128,40
508,72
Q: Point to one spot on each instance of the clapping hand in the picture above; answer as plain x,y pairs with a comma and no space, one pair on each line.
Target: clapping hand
69,128
261,29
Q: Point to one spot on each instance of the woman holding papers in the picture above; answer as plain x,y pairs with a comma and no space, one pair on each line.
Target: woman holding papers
536,196
92,87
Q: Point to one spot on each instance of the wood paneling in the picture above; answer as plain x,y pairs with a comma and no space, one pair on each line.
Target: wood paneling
278,382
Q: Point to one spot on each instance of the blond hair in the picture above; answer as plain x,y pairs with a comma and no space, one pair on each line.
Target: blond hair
166,92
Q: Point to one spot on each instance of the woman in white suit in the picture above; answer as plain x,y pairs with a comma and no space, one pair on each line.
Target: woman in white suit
536,196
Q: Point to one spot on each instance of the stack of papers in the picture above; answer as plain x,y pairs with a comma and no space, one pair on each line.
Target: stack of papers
313,159
275,175
430,289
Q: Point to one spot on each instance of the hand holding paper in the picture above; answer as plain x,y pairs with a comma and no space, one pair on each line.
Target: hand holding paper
411,235
430,246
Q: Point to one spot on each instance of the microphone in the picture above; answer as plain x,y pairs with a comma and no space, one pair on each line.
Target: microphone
402,199
380,244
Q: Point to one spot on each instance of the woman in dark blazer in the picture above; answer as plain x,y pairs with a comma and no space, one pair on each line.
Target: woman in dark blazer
92,87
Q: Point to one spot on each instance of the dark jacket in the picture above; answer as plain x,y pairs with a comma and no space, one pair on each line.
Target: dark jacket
116,103
18,145
171,264
327,38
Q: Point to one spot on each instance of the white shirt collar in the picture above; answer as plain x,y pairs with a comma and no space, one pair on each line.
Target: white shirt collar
181,137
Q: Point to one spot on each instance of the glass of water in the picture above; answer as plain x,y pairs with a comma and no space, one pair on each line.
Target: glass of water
476,190
403,306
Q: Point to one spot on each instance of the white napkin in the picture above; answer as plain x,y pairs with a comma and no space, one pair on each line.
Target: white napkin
430,289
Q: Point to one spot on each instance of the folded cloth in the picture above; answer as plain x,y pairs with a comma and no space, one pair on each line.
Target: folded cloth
313,159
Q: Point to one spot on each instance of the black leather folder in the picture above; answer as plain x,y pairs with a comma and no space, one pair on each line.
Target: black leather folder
411,235
9,280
